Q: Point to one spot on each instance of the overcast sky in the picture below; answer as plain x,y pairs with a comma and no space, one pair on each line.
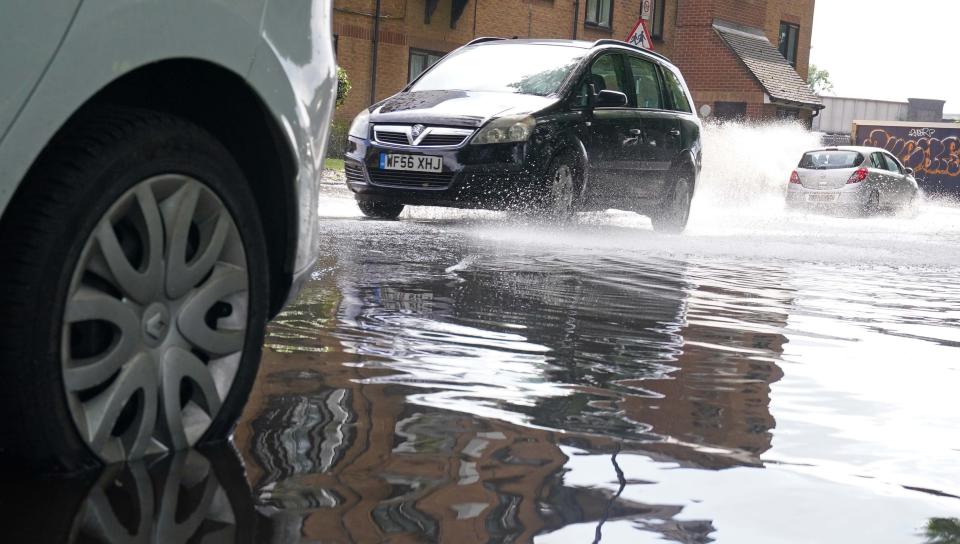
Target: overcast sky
890,49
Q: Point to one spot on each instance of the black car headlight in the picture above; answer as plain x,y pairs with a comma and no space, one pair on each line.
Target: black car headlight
505,130
360,127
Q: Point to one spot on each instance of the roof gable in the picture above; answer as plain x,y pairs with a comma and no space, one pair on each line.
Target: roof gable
777,77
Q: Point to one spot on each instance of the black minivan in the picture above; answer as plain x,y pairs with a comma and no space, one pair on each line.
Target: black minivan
555,126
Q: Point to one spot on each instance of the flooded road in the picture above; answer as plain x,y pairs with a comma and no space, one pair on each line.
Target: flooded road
476,377
482,378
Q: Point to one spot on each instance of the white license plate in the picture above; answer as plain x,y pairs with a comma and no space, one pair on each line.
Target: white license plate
822,198
413,163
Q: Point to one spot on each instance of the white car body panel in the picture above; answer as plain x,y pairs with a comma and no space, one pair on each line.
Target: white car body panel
293,72
30,34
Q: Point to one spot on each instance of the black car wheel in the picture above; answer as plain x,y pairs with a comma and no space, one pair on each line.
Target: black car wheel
675,210
562,182
912,209
871,207
376,209
133,307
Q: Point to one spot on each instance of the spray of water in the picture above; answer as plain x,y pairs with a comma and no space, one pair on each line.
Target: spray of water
738,212
744,162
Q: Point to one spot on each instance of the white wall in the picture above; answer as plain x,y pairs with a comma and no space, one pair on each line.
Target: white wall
839,113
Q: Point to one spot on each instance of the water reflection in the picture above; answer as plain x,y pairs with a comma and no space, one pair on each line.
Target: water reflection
448,403
186,497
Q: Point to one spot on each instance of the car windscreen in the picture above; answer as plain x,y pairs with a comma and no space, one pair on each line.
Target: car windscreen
831,160
509,68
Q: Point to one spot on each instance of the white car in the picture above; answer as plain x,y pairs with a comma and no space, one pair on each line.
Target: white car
864,180
159,165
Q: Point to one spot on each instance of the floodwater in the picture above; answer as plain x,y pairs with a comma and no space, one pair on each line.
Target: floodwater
472,377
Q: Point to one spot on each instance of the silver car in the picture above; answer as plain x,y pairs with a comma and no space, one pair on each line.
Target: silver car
865,180
159,167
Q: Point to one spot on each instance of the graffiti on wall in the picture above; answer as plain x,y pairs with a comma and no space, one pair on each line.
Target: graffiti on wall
934,154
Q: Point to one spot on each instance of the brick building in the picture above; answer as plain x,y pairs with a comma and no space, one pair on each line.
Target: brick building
744,58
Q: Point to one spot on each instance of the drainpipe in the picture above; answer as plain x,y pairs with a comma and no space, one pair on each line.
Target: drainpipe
376,47
475,4
576,17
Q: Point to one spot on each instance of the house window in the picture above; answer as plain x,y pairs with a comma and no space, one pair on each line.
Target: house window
789,35
420,61
788,113
656,24
729,111
599,13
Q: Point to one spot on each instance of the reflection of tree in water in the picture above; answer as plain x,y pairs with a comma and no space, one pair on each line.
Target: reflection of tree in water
943,531
545,82
420,100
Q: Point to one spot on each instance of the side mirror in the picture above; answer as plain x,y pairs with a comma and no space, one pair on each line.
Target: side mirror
909,171
610,99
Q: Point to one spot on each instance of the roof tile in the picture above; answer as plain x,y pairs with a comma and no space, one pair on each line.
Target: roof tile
777,77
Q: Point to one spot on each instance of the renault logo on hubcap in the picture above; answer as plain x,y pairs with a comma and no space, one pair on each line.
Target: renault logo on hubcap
156,320
417,131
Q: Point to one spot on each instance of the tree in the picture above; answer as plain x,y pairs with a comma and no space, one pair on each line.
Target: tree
943,531
819,80
343,86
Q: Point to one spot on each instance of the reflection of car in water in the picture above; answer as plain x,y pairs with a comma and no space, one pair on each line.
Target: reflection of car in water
588,350
554,125
158,194
453,405
187,496
859,179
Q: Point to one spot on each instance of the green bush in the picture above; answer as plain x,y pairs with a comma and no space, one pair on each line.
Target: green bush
343,86
337,142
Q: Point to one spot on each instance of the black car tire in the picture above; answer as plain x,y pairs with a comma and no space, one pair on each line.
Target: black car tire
911,210
559,199
871,207
674,211
377,209
50,234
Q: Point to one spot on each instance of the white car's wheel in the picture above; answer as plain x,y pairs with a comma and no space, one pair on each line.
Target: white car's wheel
133,313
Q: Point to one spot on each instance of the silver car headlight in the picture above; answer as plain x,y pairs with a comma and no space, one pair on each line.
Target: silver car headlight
360,127
504,130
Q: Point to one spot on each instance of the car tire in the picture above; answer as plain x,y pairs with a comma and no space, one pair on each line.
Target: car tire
674,211
134,301
871,207
911,210
376,209
558,199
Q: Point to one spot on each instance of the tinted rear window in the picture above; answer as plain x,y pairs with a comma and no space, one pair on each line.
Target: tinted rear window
675,89
830,160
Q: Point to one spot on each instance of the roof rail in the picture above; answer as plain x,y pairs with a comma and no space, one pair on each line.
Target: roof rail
484,39
610,41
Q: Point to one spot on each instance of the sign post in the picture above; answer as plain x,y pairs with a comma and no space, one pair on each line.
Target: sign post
639,36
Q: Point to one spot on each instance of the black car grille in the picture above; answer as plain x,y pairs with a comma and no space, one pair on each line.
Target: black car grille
411,180
354,173
442,139
392,138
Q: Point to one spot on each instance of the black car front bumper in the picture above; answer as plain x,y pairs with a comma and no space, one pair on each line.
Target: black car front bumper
497,176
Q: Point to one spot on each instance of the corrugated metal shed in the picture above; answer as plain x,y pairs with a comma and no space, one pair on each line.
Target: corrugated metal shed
839,113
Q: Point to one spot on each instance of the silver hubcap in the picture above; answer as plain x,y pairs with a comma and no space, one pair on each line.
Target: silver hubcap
155,320
561,190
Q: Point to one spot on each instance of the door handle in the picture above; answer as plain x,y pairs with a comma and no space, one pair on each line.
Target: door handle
674,132
636,131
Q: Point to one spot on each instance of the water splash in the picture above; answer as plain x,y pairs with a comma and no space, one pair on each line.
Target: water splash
746,162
